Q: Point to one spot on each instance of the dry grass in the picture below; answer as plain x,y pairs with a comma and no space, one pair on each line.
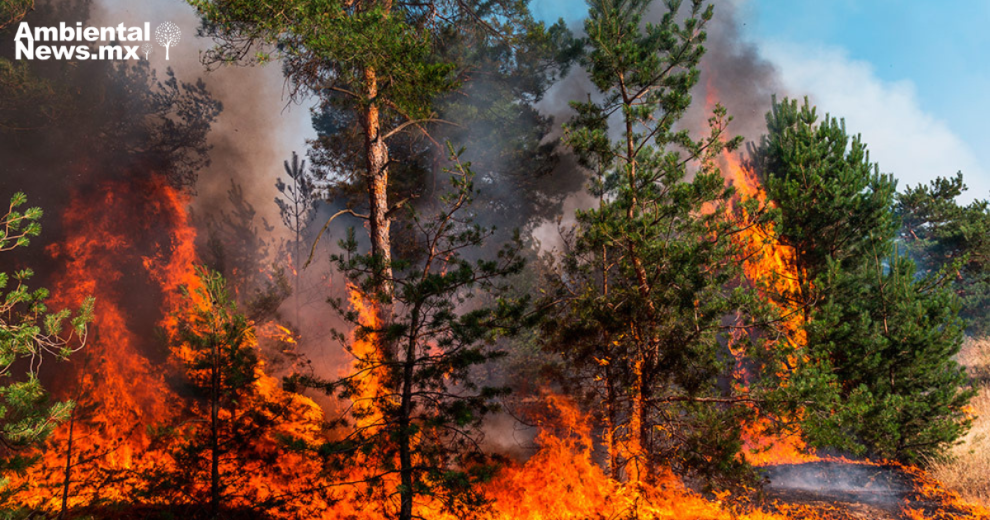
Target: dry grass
968,472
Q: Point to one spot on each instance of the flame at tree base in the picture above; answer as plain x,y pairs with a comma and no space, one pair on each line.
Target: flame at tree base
131,245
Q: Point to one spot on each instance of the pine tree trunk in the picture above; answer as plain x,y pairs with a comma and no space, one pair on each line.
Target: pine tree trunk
638,465
376,153
406,492
611,424
215,435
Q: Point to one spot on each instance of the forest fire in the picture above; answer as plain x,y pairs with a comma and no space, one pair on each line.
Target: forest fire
678,350
135,267
112,444
106,451
771,267
118,389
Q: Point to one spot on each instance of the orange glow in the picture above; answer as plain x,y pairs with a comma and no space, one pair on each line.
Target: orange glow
116,386
367,361
561,481
771,268
131,245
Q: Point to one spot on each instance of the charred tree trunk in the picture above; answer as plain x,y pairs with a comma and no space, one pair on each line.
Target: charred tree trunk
68,466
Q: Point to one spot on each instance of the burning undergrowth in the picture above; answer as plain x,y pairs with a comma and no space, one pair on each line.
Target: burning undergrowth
138,442
125,236
131,247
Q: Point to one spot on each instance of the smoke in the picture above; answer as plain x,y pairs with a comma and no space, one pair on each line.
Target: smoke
839,482
737,76
259,126
79,128
732,71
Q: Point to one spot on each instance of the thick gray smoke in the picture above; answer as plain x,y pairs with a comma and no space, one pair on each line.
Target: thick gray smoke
258,128
734,74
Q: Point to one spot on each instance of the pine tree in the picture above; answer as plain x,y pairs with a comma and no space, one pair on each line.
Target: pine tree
221,360
418,415
13,10
951,240
880,339
375,58
238,421
297,211
492,113
889,339
29,333
834,204
649,276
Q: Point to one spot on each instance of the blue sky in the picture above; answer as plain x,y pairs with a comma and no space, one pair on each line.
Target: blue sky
912,76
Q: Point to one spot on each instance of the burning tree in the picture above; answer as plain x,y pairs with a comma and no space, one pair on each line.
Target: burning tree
218,348
416,415
239,422
648,279
29,334
880,339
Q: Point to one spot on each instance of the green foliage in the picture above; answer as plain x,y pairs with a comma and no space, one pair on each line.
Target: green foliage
28,101
329,44
649,275
890,339
231,429
952,241
219,341
12,11
878,364
29,333
421,415
500,80
835,205
462,71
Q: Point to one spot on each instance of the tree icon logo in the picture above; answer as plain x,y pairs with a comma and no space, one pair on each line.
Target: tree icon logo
147,48
167,35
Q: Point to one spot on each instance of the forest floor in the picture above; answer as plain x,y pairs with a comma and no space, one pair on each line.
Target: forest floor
837,490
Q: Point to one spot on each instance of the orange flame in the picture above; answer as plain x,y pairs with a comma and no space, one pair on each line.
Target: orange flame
131,245
771,267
